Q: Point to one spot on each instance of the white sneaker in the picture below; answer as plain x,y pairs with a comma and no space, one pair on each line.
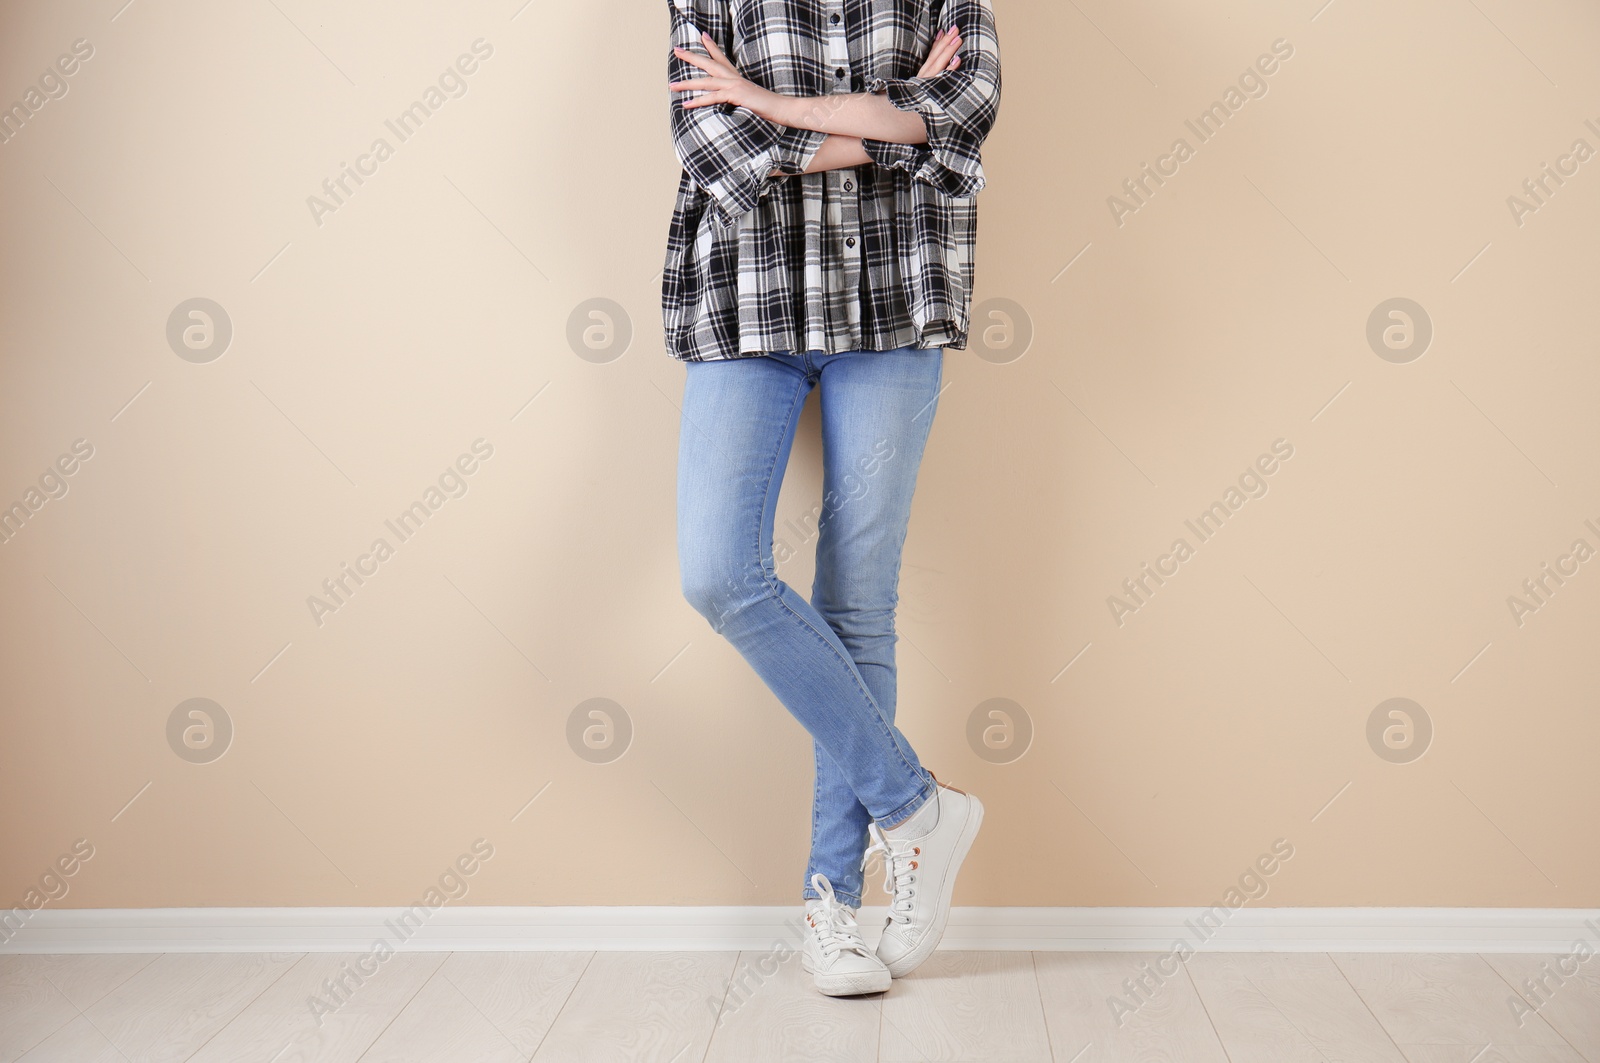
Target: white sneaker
920,873
834,951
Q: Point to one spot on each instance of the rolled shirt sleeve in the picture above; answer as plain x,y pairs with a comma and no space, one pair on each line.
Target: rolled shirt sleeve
958,106
728,151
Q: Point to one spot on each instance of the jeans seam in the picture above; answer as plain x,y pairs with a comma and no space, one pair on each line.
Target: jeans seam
883,722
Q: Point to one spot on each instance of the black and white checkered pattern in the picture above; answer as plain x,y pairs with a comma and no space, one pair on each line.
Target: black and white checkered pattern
869,258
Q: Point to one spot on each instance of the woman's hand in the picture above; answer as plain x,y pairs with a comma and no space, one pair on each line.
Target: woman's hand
942,56
725,85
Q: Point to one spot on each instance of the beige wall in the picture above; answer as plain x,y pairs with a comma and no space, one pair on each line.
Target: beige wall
369,351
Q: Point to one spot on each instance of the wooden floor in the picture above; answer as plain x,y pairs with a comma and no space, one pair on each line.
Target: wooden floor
697,1007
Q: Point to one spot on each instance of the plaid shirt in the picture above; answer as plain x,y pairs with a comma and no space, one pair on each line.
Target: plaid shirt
865,258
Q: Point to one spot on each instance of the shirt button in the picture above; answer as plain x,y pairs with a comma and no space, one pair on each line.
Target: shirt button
834,20
848,187
839,73
850,241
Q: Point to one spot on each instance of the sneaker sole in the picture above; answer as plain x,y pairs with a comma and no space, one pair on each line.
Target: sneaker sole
847,985
930,941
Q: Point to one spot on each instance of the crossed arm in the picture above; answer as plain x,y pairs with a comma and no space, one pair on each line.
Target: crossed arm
931,126
845,118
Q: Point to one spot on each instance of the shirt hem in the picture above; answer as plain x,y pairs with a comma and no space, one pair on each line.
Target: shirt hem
939,339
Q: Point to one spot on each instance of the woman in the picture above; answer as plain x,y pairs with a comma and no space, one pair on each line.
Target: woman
823,236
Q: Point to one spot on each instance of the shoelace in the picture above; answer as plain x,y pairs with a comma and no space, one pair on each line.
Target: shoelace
899,870
834,922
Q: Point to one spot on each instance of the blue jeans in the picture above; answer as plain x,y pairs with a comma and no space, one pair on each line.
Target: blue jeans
830,661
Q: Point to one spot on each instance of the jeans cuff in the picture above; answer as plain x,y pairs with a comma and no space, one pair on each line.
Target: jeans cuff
906,811
849,900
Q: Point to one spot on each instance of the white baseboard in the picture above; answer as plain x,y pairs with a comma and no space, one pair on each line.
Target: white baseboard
633,929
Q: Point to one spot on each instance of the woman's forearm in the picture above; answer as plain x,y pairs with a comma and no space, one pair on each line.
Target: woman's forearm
836,153
855,114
